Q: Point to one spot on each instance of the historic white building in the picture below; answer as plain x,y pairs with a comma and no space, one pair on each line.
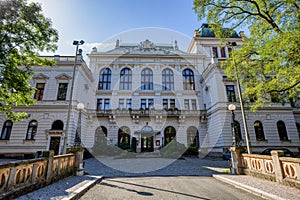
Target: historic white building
145,94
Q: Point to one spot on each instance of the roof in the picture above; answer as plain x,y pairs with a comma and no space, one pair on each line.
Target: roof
205,31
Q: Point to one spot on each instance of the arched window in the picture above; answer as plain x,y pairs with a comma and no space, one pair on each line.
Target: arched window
6,130
259,131
147,80
282,130
192,136
124,137
105,79
167,80
31,130
169,134
237,129
57,125
188,79
298,128
125,79
101,135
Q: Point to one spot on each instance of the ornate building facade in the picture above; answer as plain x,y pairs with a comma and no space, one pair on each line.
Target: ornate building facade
149,94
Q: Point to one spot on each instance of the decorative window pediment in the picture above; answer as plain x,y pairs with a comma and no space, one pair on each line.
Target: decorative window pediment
40,77
63,77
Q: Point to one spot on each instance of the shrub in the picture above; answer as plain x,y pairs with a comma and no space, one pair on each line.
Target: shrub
173,150
193,150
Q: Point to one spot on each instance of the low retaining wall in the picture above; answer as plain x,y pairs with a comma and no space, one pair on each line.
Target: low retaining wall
18,178
284,170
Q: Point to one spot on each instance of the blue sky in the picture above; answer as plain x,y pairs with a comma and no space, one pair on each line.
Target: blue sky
102,21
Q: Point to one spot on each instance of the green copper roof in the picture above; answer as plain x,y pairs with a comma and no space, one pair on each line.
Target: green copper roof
205,31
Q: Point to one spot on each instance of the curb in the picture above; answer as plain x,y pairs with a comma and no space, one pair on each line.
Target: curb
247,188
78,190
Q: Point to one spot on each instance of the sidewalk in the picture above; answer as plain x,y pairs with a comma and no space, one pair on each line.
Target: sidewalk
264,188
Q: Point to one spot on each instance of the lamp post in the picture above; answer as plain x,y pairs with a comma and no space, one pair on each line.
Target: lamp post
77,43
232,108
234,163
77,140
248,144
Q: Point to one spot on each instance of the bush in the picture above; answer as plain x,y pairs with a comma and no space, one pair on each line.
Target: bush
104,149
193,150
173,150
124,145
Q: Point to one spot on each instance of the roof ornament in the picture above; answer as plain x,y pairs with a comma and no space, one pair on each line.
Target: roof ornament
175,45
117,44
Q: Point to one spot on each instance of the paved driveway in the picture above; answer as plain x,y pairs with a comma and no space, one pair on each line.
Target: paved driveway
158,178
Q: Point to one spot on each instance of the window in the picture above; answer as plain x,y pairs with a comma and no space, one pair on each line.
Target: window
143,104
147,79
186,104
194,105
106,104
150,104
125,79
99,104
169,103
105,79
223,54
31,130
282,130
62,91
192,136
40,87
215,52
121,103
128,104
124,137
274,97
100,135
57,125
169,134
230,93
298,128
259,131
188,79
167,80
6,130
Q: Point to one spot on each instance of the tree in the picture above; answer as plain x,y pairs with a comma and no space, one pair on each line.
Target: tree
268,62
23,32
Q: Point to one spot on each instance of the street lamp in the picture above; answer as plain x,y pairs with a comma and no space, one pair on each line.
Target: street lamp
248,144
77,140
234,162
77,43
232,108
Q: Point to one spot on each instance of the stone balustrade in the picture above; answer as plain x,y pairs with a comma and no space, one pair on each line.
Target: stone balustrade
283,170
20,177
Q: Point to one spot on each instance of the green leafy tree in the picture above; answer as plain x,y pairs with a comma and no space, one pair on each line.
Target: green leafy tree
24,31
268,62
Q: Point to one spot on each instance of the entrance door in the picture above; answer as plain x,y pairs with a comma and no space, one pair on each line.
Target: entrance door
54,144
147,144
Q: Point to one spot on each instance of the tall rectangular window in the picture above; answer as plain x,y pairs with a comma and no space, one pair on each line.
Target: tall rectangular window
40,87
186,104
229,49
230,93
121,103
106,104
62,91
128,104
172,103
150,104
194,104
223,54
143,104
215,52
99,104
165,103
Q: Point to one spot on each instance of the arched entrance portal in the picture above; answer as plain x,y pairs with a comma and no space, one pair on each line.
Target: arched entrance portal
146,135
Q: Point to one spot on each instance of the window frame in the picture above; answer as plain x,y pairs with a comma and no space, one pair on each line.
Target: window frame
105,79
188,79
147,79
6,129
125,79
62,91
31,130
167,80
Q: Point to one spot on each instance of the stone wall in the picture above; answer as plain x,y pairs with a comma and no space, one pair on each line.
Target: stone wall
20,177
